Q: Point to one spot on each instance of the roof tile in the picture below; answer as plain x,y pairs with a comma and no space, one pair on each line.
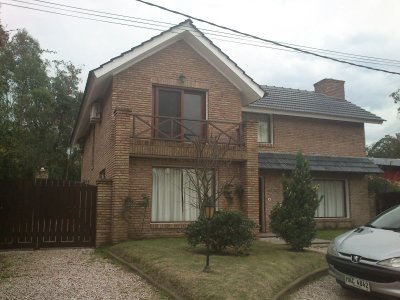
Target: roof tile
292,100
285,161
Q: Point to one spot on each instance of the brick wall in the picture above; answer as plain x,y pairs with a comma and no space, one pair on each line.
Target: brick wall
103,212
315,136
133,91
358,198
250,173
98,158
120,187
141,181
133,88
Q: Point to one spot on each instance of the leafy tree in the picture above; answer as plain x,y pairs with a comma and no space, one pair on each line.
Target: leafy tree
387,147
67,99
396,97
379,185
39,101
7,159
293,219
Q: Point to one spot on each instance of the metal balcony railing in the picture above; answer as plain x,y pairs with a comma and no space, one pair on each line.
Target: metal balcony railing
187,130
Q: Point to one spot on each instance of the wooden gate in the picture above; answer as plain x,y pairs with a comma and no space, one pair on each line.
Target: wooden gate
47,213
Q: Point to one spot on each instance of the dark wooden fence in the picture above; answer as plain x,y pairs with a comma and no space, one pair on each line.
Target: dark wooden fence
47,213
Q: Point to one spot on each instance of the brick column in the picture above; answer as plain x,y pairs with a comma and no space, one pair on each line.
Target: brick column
250,178
120,187
103,212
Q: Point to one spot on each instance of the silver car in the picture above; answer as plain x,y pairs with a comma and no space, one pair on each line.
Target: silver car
368,258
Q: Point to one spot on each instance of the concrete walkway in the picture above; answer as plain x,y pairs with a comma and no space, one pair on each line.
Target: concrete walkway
318,245
278,240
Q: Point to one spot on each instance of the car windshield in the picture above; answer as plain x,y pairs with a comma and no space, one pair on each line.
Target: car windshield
389,220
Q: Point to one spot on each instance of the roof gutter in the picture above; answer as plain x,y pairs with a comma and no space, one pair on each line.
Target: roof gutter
310,115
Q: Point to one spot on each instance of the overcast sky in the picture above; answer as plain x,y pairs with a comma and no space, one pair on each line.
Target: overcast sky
362,27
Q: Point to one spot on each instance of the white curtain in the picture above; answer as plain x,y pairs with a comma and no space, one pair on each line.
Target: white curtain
172,196
263,126
333,203
190,208
263,130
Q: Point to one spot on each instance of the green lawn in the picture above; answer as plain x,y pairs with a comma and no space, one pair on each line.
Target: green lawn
330,234
260,275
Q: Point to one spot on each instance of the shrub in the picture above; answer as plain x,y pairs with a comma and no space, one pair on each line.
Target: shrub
293,219
379,185
228,229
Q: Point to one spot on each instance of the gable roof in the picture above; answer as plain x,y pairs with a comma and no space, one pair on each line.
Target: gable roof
286,101
318,163
100,78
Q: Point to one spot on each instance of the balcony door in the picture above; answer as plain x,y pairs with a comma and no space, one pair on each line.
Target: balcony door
179,114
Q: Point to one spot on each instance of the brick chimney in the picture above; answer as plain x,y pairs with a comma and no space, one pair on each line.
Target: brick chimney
330,87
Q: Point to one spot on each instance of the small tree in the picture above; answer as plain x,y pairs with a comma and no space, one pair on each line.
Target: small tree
293,219
211,155
227,230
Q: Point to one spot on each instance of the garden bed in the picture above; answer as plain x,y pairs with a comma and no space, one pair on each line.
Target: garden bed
260,275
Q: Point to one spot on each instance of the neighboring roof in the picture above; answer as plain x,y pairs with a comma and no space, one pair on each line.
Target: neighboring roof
387,162
285,101
284,161
99,78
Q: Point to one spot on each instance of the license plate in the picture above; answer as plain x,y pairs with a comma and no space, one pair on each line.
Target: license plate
357,283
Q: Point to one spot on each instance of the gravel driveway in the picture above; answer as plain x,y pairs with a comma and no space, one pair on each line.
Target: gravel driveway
68,274
326,288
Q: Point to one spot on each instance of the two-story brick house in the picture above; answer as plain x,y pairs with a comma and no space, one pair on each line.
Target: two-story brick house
141,110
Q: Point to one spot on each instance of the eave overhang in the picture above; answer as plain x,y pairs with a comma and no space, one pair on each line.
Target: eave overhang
310,115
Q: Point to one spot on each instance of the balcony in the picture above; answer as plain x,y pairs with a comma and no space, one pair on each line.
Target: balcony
154,136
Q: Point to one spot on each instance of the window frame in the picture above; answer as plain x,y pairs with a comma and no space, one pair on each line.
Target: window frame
182,91
345,194
182,169
256,116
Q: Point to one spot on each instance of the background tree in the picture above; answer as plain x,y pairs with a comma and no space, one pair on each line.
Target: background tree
6,157
293,219
386,147
39,101
396,97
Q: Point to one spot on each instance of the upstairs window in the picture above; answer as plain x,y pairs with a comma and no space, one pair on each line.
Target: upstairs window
264,126
179,114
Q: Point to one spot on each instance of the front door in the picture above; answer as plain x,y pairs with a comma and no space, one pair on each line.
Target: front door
261,204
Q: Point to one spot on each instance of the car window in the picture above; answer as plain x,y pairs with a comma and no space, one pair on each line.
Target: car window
388,220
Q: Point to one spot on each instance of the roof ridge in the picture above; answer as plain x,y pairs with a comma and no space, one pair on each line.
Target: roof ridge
282,87
189,21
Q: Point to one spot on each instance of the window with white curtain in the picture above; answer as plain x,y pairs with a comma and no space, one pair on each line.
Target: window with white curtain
174,197
264,126
333,203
